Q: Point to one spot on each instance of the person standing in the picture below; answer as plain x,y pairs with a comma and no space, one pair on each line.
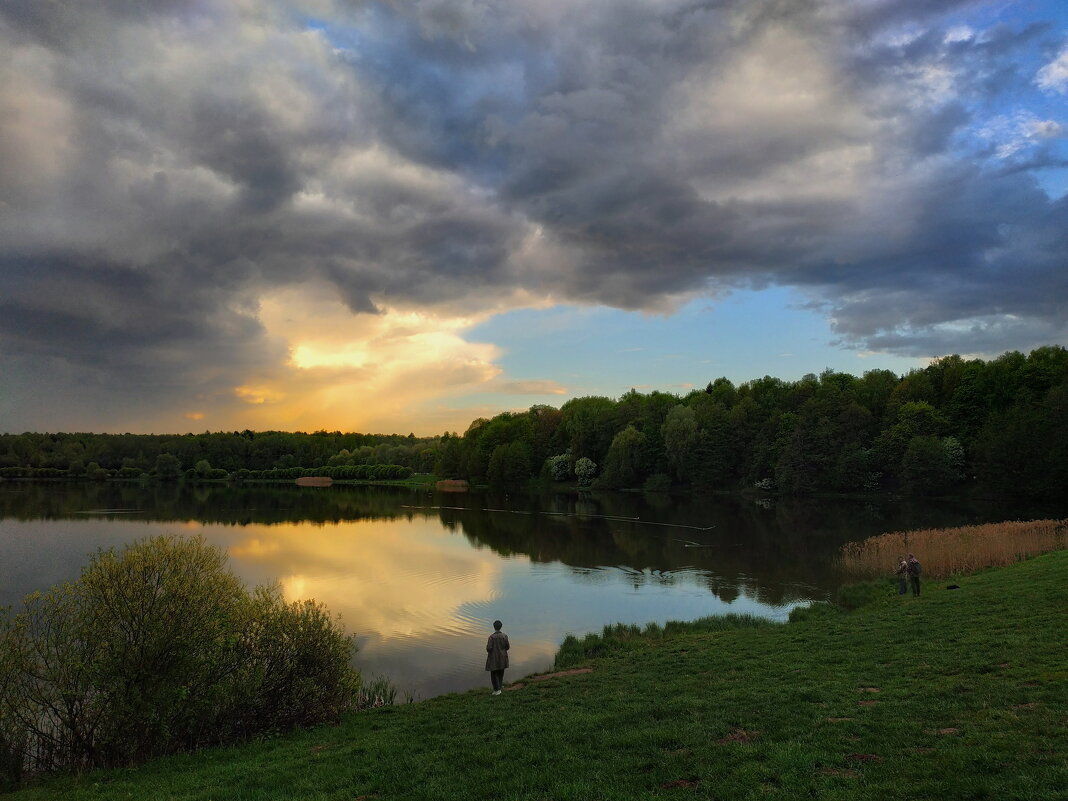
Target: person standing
914,574
902,576
497,656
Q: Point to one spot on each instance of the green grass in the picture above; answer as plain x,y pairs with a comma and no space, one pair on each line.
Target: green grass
954,695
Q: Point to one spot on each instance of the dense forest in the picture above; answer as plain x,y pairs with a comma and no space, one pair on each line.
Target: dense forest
264,454
998,427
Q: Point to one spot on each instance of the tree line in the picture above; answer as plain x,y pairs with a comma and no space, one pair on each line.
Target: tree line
240,454
997,427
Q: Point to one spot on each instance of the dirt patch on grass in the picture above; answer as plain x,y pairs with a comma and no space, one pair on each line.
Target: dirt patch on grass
738,736
845,773
519,685
949,730
837,720
559,673
870,689
1024,706
315,749
863,758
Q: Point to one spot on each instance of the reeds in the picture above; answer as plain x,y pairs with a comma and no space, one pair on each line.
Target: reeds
945,552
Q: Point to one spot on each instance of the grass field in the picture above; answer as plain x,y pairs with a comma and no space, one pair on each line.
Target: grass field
958,694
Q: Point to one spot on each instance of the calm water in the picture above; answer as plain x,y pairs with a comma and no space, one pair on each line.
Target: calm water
419,576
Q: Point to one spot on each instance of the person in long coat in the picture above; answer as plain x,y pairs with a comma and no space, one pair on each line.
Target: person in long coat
497,656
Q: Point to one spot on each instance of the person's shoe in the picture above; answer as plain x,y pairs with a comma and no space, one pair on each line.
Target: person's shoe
496,692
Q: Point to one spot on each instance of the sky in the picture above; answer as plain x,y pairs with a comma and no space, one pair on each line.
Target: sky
398,216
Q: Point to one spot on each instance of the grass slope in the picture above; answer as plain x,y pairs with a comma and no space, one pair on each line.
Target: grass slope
955,695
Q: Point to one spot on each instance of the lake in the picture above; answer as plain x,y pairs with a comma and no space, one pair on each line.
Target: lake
419,576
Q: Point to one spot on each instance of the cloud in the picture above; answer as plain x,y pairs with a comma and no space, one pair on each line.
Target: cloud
529,387
169,169
1012,134
1054,76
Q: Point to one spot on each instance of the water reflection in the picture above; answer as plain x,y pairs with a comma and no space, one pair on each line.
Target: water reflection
419,576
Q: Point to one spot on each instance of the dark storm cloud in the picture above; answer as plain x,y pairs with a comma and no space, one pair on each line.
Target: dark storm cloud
653,208
164,165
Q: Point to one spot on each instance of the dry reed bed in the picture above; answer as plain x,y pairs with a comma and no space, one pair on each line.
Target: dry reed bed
946,552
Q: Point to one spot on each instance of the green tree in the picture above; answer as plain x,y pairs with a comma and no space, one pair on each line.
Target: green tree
874,389
680,438
927,467
722,391
623,463
913,419
589,424
509,463
450,457
95,472
168,467
342,457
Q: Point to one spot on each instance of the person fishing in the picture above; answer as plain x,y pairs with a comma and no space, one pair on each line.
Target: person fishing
914,574
902,573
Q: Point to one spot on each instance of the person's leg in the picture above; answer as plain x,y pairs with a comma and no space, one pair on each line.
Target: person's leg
496,678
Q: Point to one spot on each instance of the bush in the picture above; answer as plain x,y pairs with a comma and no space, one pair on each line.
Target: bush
160,648
585,470
559,467
294,666
344,472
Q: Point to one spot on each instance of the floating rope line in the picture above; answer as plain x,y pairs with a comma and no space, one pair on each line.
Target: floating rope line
108,512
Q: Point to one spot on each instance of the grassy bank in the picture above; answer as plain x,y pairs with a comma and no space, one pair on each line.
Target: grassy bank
958,694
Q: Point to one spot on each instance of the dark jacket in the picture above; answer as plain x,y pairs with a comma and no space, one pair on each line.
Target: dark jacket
497,651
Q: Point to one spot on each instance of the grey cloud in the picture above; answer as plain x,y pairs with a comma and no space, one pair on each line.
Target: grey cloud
173,166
